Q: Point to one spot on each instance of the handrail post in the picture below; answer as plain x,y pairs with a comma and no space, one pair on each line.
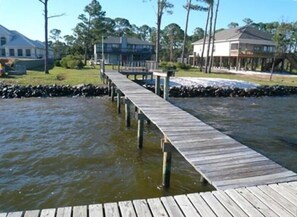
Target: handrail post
157,85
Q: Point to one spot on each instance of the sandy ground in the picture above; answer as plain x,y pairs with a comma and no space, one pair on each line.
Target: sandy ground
220,82
214,82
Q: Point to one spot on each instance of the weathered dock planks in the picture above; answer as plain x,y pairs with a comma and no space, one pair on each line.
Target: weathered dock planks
265,200
222,161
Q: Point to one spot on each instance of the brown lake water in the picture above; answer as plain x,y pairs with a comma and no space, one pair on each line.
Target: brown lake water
73,151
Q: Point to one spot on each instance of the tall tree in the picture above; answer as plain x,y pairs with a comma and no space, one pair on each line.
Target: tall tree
91,28
123,27
59,47
248,21
197,34
45,2
189,6
46,17
233,25
162,5
210,2
214,35
204,39
173,34
145,32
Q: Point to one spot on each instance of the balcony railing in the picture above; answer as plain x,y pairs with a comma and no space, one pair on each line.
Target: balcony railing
250,53
124,50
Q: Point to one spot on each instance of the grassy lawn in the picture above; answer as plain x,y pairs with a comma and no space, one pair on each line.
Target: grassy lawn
58,75
61,76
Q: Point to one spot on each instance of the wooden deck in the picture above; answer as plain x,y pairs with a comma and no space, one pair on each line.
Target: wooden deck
221,160
272,200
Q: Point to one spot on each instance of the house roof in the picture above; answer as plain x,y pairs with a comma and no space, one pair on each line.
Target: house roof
4,30
19,40
117,40
246,32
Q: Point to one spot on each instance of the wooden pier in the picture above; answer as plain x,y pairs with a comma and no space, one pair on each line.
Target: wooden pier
267,200
222,161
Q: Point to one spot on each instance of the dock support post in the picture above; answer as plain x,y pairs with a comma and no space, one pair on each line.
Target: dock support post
112,92
157,86
203,180
166,172
109,87
140,128
166,87
119,94
127,112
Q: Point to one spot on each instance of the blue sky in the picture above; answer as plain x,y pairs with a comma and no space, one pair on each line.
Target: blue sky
26,16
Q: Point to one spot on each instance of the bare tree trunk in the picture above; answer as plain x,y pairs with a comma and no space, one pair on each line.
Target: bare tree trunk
213,37
186,30
209,38
46,37
204,40
159,19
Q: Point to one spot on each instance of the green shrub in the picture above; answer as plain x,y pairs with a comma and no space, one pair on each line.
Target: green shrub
183,66
57,63
167,65
72,62
61,77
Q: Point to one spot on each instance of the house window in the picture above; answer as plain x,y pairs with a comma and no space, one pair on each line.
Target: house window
11,52
20,52
234,46
28,52
3,41
2,53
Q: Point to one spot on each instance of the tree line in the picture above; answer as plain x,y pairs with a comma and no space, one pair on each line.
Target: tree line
171,42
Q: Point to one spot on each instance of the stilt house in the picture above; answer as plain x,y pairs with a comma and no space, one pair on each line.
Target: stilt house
244,48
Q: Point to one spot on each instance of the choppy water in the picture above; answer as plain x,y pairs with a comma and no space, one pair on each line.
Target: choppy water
267,124
72,151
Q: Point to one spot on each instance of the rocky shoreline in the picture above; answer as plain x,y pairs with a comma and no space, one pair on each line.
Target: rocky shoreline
16,91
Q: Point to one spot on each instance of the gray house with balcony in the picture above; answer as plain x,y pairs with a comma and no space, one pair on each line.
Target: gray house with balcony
123,49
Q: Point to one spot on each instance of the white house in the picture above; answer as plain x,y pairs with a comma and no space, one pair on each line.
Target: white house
15,45
239,48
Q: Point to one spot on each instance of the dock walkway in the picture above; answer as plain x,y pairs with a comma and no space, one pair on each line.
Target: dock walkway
222,161
271,201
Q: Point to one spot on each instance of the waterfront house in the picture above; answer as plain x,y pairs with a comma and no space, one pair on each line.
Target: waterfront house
123,49
15,45
239,48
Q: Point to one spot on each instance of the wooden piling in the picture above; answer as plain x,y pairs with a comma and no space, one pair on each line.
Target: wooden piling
127,112
166,172
109,87
203,180
140,129
112,92
119,94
